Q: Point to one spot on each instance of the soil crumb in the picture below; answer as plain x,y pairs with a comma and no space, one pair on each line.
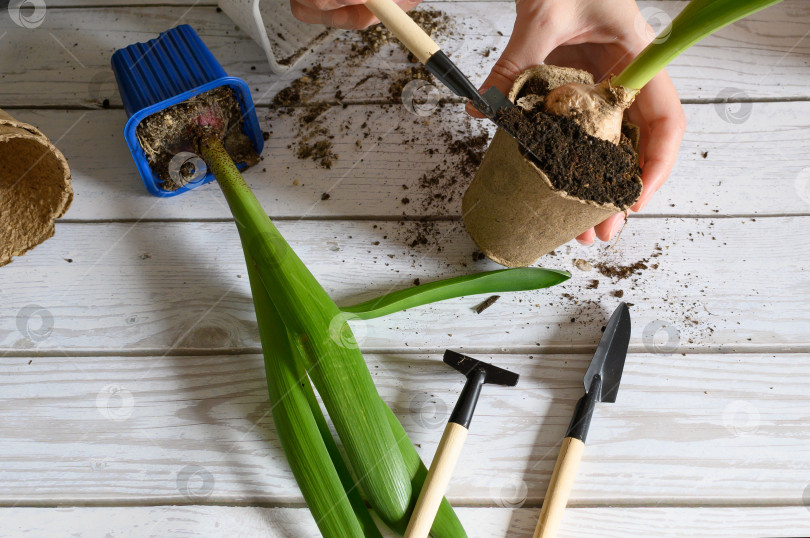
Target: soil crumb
486,304
319,151
173,130
583,265
622,271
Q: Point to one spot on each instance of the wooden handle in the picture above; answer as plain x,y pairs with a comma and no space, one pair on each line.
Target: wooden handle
401,25
562,479
427,505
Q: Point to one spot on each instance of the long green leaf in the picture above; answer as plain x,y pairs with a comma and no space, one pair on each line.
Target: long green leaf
446,522
272,329
297,428
500,281
336,367
699,19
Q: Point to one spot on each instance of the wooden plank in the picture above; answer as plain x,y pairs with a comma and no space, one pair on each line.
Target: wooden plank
758,167
67,62
730,284
72,4
690,430
250,522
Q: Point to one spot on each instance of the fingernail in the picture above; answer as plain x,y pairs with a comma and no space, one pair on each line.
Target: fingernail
616,227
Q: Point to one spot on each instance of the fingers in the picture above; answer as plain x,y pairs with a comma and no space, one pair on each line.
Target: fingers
344,14
534,35
608,228
327,5
662,118
586,238
353,17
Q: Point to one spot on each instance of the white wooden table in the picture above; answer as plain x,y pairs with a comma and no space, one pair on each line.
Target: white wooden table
133,394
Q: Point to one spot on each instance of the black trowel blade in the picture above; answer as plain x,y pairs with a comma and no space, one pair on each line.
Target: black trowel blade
496,101
608,361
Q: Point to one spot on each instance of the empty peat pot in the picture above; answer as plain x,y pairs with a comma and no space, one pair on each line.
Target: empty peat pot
34,187
511,209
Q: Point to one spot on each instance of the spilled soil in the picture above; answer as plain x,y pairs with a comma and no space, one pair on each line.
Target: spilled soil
315,99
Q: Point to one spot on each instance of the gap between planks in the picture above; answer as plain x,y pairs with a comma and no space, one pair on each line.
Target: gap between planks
389,102
735,349
572,504
411,218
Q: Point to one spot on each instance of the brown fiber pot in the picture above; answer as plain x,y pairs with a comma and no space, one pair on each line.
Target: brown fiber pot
510,209
34,187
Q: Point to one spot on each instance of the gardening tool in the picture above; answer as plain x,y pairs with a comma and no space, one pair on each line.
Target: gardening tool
601,385
477,373
165,71
428,52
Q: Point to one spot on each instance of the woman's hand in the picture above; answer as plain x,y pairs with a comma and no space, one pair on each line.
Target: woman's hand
345,14
599,36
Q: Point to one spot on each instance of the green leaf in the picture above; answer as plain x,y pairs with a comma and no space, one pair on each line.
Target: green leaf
446,524
298,430
699,19
336,367
500,281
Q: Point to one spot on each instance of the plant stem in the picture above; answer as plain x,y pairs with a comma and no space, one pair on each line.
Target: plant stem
699,19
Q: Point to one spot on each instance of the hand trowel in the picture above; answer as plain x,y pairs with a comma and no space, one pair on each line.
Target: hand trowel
490,103
601,385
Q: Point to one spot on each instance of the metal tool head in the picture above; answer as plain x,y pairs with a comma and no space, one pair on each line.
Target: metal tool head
491,101
608,361
467,365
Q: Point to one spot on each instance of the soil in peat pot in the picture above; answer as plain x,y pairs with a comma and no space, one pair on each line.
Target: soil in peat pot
172,130
582,165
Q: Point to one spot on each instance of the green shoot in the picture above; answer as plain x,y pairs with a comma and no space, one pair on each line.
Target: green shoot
699,19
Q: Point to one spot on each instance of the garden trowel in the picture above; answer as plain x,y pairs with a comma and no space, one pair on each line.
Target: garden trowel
439,64
601,385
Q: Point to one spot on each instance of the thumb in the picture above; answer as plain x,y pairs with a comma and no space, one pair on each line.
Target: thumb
531,41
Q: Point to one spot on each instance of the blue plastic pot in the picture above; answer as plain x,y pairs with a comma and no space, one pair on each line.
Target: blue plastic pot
166,71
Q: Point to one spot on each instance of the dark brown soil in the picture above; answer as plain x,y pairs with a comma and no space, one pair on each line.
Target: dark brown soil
373,38
181,127
584,166
301,88
486,304
319,151
403,77
460,146
621,272
535,86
